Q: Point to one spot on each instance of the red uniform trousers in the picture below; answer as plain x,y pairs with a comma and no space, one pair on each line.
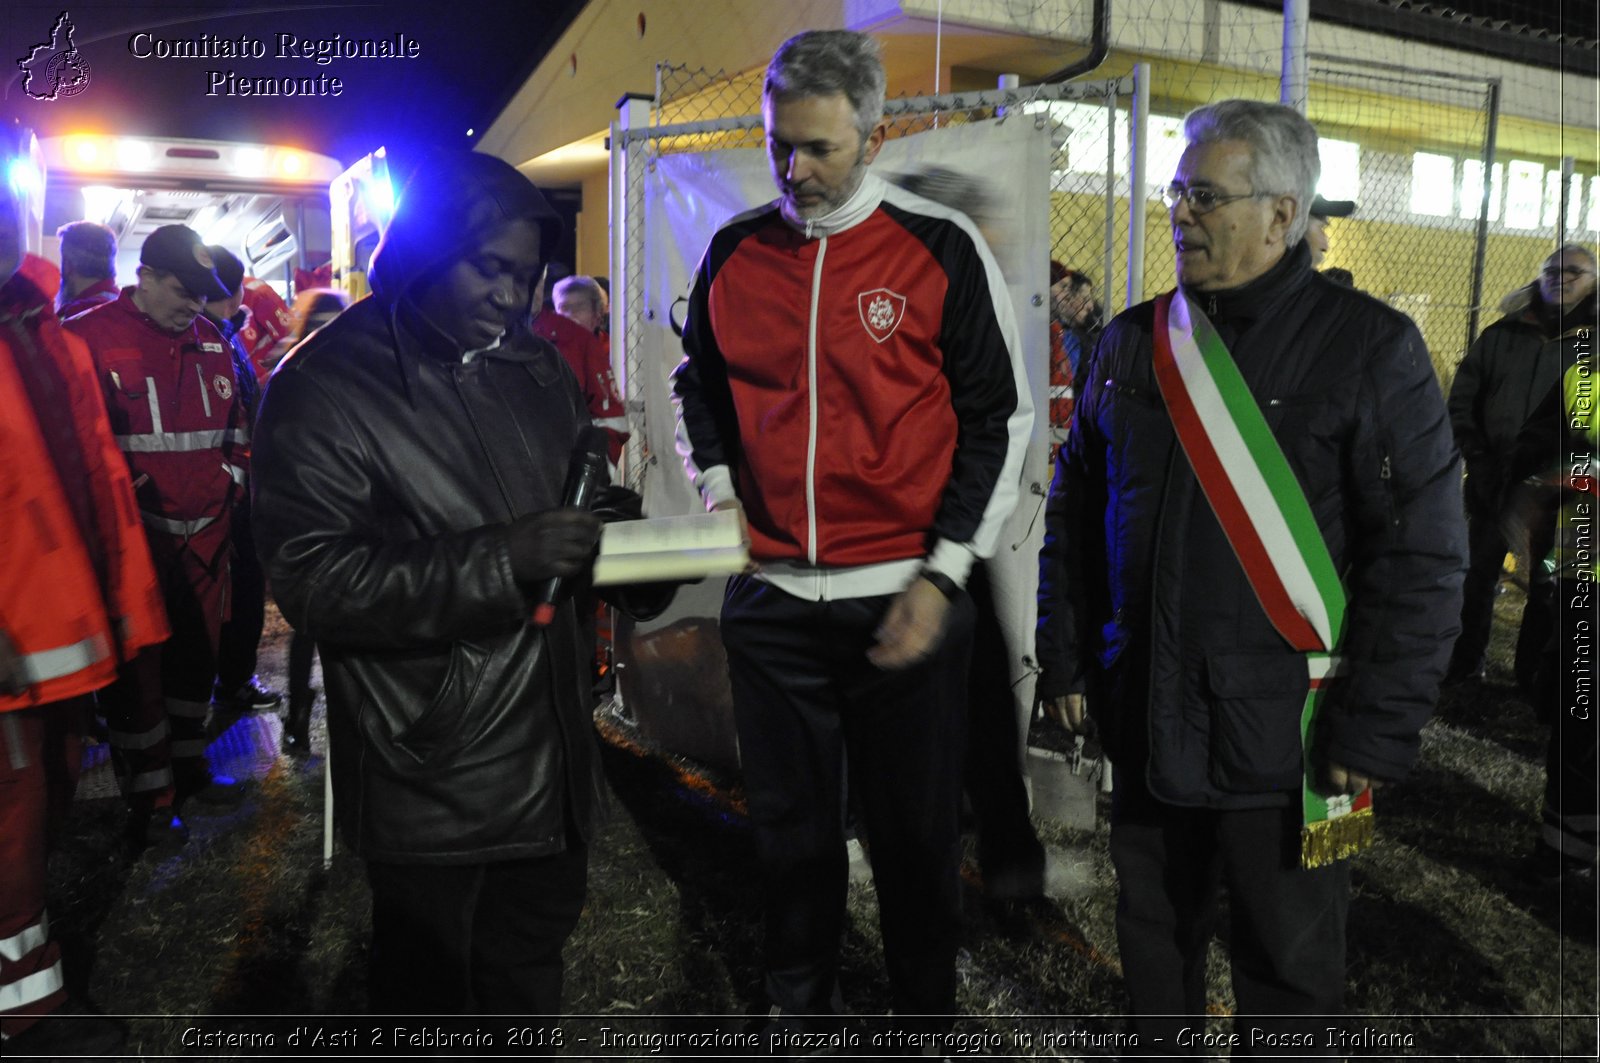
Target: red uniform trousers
156,710
40,756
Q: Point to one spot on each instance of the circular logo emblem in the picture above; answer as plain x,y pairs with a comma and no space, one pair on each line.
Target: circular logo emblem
202,256
223,385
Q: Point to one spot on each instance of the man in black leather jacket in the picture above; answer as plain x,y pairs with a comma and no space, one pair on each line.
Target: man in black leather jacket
1145,606
409,468
1513,365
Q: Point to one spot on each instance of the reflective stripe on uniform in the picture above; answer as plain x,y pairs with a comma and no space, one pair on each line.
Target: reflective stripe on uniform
30,990
155,407
16,749
42,665
195,710
173,442
175,527
25,940
235,473
615,424
205,395
141,739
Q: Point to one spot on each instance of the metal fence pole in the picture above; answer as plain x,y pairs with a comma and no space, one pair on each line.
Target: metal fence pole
1562,190
1138,133
1293,82
633,112
1111,207
1481,250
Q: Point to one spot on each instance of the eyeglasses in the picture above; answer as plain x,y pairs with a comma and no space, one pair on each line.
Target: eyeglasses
1570,272
1201,200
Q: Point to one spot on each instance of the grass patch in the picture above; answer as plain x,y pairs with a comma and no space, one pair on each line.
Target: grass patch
1450,942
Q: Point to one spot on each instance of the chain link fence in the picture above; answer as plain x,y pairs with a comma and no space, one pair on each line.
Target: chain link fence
1410,129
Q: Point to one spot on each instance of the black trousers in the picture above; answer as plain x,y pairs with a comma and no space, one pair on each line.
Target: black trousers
807,701
473,939
1287,925
241,632
1571,815
1009,851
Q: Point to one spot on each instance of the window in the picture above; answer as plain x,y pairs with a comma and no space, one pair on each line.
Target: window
1166,148
1594,204
1524,194
1472,188
1552,194
1341,169
1429,174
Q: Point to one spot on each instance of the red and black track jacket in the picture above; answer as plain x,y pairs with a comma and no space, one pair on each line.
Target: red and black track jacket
859,387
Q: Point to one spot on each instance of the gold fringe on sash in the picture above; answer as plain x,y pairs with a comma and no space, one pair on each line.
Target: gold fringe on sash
1336,839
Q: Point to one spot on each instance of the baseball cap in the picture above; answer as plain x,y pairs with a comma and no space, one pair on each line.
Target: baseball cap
178,250
230,271
1332,208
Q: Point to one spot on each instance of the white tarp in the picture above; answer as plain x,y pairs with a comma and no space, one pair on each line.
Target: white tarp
687,196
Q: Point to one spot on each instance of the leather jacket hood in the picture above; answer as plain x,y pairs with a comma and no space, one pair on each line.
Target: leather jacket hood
452,203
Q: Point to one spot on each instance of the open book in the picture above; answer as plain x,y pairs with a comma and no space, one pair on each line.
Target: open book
671,548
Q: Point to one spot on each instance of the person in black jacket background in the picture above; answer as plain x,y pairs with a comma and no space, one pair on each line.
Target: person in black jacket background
1513,365
1144,606
409,469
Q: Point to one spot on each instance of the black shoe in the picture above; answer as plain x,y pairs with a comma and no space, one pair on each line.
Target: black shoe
297,724
249,696
70,1031
156,829
215,791
296,739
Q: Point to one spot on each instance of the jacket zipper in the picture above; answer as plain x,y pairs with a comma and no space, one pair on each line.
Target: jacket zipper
811,393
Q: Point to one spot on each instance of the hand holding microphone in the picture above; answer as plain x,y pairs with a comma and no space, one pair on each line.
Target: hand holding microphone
551,546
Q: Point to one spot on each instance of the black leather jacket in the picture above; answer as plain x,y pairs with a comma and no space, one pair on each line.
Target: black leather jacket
386,469
1144,605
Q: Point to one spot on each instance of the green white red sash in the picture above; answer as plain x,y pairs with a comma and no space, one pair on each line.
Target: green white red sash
1267,520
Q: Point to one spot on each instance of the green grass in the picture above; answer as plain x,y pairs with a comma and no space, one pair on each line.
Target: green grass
1449,942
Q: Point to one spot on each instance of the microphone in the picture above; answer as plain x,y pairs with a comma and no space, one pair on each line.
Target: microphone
586,474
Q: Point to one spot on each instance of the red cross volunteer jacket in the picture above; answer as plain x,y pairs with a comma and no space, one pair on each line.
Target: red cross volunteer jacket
171,398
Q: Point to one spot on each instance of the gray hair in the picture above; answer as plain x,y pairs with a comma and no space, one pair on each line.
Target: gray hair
1283,149
88,249
827,63
1572,249
577,283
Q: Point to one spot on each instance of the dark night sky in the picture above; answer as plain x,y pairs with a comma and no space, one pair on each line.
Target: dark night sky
472,56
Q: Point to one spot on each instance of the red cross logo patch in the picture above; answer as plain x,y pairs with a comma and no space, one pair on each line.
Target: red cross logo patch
223,385
881,312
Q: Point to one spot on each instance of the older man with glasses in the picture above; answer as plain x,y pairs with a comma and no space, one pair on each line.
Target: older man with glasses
1513,365
1250,576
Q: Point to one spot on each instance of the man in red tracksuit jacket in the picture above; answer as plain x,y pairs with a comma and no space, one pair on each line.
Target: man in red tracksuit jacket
168,380
853,383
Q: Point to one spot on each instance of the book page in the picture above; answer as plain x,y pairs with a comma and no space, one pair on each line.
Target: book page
663,548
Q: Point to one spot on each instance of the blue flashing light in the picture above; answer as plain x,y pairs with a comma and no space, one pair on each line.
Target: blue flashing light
380,198
22,176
